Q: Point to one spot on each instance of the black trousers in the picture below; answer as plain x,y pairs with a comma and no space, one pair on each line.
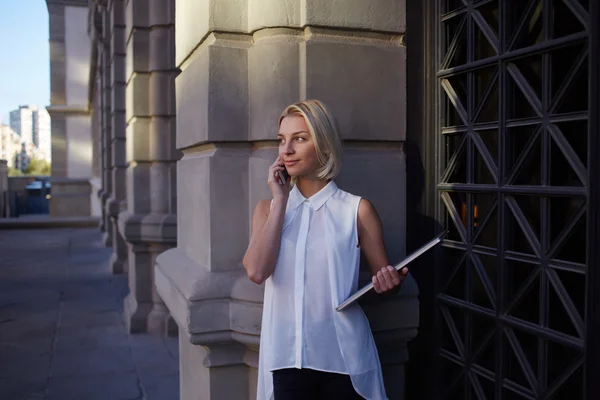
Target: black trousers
308,384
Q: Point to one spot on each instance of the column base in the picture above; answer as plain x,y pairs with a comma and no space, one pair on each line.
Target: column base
107,239
161,323
117,266
70,197
136,315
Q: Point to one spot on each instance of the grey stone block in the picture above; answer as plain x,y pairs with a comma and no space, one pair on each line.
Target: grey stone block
362,81
274,65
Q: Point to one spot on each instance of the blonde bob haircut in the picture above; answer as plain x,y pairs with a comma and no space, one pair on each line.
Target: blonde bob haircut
323,131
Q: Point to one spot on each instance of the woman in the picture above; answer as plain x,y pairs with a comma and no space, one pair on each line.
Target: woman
306,245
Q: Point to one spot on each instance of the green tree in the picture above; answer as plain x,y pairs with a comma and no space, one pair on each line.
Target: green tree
37,167
14,172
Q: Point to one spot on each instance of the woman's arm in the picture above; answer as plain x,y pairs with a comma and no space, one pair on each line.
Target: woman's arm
386,279
263,250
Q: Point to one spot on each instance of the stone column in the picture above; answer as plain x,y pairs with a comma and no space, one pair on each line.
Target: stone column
58,87
95,29
115,40
232,87
149,222
69,111
105,93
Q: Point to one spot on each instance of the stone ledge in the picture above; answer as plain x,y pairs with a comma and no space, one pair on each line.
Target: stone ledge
68,110
202,302
148,228
77,3
225,307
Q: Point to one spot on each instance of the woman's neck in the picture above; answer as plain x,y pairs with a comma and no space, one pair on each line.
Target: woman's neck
309,187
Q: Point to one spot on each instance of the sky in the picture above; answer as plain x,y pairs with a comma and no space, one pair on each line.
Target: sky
24,55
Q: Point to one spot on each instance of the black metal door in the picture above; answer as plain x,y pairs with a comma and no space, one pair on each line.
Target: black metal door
513,148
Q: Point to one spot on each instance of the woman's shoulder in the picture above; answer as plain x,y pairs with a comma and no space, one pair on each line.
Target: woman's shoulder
347,197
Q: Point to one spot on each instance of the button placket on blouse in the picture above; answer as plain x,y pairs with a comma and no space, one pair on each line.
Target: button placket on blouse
299,271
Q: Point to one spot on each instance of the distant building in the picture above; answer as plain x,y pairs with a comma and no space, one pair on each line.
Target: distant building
10,144
41,134
21,121
22,158
33,125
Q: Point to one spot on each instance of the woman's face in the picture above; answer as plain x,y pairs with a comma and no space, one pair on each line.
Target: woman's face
296,147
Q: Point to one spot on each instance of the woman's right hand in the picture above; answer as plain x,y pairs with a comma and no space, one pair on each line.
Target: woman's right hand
279,191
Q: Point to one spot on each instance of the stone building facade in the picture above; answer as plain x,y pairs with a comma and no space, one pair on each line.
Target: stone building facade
184,97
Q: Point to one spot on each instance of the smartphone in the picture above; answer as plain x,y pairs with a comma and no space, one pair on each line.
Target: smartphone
283,177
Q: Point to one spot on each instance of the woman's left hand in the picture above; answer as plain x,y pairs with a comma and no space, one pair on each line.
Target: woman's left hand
388,279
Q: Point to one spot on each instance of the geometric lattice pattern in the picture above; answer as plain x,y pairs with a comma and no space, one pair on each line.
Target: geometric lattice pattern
512,179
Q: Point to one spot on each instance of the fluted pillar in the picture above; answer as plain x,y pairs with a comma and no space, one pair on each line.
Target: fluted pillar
149,222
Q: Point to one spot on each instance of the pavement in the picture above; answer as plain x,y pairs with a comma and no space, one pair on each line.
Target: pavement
62,335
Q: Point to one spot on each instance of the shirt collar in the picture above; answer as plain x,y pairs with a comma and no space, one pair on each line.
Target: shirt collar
317,200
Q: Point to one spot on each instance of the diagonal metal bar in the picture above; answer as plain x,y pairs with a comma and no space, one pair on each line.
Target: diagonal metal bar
519,390
449,130
579,11
568,266
459,362
486,95
567,230
539,48
453,162
569,153
526,89
523,156
462,112
476,385
455,217
454,332
452,14
490,291
454,44
487,157
485,220
579,362
486,30
570,78
563,339
522,22
567,302
522,221
522,290
455,270
530,375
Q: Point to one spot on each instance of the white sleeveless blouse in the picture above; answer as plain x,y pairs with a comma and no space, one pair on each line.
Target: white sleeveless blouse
316,270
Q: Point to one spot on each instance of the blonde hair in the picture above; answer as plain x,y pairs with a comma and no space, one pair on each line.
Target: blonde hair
324,133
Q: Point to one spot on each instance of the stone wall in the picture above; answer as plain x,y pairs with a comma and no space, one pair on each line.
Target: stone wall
241,63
